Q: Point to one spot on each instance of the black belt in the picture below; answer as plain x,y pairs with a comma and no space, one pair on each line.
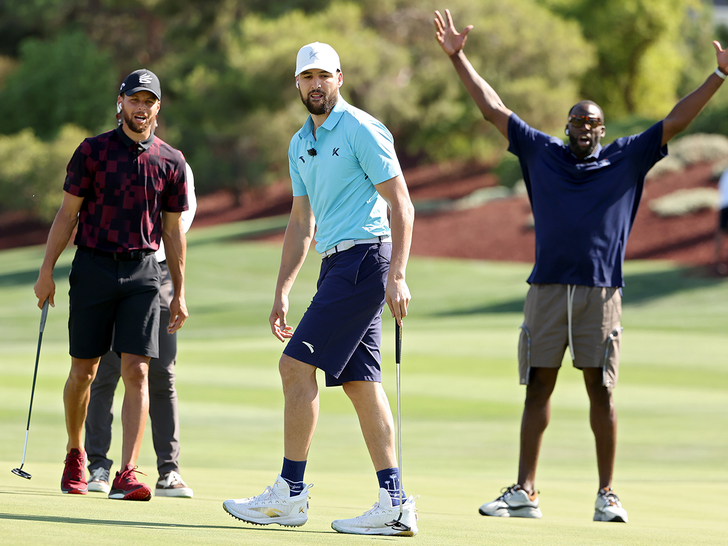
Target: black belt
131,256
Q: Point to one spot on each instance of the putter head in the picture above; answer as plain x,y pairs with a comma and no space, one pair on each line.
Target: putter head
22,473
397,525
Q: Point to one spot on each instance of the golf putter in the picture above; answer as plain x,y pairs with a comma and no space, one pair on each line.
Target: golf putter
397,524
19,471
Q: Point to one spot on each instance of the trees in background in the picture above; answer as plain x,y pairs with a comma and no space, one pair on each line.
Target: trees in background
229,99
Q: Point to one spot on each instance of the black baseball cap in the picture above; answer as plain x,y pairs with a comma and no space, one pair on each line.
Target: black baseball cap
141,80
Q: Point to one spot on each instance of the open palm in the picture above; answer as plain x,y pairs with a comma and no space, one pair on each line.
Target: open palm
450,39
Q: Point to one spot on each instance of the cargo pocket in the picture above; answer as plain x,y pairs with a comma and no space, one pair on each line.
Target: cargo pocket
524,355
610,369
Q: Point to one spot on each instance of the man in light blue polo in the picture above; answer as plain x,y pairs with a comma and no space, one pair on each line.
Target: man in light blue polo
345,175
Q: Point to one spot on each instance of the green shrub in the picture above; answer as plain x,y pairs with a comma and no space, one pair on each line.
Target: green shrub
32,171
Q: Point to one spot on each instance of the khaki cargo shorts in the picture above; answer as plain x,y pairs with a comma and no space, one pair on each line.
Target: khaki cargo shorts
583,319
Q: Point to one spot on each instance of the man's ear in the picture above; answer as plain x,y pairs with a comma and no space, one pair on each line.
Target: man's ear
340,79
603,131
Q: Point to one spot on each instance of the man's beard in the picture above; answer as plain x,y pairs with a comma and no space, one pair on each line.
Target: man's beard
323,107
134,126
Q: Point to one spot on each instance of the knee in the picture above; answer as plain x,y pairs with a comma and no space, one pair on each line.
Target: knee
134,372
295,373
81,375
541,386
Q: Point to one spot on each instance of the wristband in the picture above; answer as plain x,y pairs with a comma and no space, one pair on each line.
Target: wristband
719,73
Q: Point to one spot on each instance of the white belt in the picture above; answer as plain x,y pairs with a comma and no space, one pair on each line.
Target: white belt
346,245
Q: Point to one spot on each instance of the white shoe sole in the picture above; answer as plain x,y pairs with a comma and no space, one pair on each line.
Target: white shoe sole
393,531
180,492
601,516
285,521
524,512
99,487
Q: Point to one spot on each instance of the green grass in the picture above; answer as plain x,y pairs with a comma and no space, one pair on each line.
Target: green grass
461,407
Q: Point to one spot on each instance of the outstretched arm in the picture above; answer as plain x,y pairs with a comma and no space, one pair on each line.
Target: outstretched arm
690,105
488,101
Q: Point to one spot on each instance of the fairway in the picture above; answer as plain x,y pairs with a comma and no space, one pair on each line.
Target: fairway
461,409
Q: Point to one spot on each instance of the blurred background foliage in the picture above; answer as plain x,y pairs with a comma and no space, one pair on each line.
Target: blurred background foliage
230,103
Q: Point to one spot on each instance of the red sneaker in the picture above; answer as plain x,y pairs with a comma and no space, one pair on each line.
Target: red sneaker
74,473
127,487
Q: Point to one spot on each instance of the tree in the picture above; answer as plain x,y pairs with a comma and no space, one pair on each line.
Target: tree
61,81
643,49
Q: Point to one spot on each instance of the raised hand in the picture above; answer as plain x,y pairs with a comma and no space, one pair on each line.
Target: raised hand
450,39
722,57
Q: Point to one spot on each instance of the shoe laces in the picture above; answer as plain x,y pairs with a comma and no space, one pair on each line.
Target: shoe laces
128,474
610,496
99,475
74,466
508,491
266,496
172,479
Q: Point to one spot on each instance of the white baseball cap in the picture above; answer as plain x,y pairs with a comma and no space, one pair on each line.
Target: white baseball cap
317,55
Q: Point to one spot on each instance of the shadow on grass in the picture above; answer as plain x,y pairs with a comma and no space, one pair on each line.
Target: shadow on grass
147,524
639,288
19,278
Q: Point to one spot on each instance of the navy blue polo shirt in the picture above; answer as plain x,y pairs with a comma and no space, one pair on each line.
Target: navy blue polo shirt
583,210
125,186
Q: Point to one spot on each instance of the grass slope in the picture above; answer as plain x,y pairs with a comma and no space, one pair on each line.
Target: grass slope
461,407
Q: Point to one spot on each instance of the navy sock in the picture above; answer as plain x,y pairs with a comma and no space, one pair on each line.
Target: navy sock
389,480
293,474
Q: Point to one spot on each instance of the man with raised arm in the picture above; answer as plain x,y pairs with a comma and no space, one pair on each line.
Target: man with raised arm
584,198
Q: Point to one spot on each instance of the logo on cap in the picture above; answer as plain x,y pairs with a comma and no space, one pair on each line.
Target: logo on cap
145,78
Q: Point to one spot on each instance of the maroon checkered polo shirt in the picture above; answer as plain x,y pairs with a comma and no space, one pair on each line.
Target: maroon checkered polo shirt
125,185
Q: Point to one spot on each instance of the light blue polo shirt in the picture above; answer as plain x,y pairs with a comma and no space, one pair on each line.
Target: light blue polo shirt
354,153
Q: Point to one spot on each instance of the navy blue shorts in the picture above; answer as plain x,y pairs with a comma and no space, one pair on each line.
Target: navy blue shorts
113,300
341,330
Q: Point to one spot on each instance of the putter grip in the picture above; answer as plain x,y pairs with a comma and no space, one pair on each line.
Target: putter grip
398,341
43,316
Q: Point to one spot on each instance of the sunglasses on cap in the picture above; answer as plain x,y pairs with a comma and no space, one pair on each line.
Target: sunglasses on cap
580,121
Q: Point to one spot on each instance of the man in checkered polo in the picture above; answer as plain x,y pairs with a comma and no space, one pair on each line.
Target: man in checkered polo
124,192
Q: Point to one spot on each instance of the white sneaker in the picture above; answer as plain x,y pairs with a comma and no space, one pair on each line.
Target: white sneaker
607,507
382,519
274,505
99,481
172,485
514,502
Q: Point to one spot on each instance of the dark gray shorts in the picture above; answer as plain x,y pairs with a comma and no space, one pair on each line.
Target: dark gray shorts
595,329
113,301
341,330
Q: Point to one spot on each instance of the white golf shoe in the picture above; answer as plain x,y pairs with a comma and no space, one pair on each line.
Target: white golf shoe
608,508
274,505
382,519
514,502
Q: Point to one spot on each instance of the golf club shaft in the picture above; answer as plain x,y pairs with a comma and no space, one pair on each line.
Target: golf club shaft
398,351
43,316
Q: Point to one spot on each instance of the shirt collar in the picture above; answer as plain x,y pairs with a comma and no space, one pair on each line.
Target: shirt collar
144,144
334,116
594,156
